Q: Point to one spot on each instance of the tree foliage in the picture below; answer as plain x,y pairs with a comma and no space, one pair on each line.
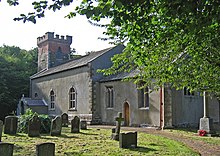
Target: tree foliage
45,122
174,42
16,67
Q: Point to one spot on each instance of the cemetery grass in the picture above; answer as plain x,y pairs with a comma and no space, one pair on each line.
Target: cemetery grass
96,142
193,134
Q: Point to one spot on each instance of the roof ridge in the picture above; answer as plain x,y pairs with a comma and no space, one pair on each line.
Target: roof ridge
82,61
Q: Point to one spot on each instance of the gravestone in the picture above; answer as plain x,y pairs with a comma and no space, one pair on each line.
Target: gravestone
75,123
56,126
6,149
45,149
128,140
11,125
1,128
119,119
83,125
65,119
34,127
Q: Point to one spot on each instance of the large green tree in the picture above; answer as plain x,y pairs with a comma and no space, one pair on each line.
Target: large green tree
174,42
16,66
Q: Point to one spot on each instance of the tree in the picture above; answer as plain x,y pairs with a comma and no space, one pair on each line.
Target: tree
16,67
174,42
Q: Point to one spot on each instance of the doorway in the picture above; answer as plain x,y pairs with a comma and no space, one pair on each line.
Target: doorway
126,114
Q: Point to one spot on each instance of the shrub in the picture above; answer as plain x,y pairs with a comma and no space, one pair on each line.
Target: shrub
25,118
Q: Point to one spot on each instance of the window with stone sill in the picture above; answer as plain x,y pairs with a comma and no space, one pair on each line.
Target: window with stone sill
109,96
72,99
143,96
187,92
52,100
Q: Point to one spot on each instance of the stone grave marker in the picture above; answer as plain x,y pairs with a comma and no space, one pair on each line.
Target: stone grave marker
6,149
11,125
34,127
128,140
56,126
119,119
45,149
75,123
83,125
65,119
1,128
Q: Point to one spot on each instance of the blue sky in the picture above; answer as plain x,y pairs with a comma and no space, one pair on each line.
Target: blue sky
24,35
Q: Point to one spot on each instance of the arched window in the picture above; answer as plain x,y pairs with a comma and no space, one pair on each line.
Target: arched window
110,96
52,100
72,98
143,96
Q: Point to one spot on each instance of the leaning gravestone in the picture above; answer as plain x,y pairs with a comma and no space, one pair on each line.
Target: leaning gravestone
116,131
128,140
83,125
45,149
65,119
6,149
75,123
11,125
1,128
34,127
56,126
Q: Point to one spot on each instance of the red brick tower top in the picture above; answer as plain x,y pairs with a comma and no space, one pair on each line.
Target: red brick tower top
52,50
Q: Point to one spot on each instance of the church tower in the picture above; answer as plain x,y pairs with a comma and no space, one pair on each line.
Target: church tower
52,50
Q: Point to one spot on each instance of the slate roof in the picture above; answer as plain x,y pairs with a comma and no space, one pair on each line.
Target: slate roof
120,76
31,102
82,61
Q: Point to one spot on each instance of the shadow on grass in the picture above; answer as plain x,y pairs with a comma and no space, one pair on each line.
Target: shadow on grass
152,144
87,133
17,135
142,149
67,136
49,137
193,130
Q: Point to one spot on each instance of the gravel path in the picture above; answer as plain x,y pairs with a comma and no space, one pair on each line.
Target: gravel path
202,147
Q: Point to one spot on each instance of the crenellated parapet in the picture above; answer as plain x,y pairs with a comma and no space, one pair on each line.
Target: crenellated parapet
49,36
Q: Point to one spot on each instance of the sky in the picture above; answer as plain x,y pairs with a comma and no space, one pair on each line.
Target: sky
24,35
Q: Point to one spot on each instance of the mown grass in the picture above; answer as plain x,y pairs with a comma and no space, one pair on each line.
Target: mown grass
96,142
193,134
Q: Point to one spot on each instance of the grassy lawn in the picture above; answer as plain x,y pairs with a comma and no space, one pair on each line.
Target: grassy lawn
193,134
96,142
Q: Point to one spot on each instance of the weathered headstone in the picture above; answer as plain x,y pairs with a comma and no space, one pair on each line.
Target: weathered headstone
6,149
1,128
11,125
56,126
45,149
34,127
83,125
119,119
65,119
128,140
75,123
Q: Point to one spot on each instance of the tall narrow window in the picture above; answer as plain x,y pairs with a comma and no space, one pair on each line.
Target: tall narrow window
110,97
52,100
72,98
144,100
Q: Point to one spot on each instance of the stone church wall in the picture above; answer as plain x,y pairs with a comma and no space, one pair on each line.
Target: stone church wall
126,92
187,109
61,83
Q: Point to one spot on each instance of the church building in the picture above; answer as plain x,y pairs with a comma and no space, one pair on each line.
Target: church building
76,88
